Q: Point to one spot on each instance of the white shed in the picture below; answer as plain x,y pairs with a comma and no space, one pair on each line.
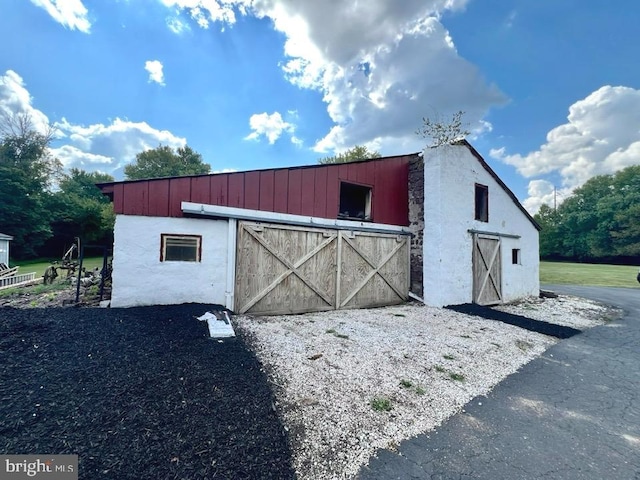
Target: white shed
480,245
4,248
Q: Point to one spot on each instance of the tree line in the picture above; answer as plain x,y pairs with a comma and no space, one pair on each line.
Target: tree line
44,208
599,222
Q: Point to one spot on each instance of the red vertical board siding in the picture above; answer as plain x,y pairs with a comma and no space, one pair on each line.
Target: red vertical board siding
266,191
159,198
353,171
308,193
281,191
320,193
311,191
370,173
333,193
252,190
343,172
381,203
137,195
295,192
236,190
118,198
219,190
179,191
201,190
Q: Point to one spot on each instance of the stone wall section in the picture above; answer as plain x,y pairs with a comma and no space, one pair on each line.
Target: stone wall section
416,223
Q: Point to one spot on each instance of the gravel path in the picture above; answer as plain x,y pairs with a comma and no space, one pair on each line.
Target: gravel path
137,393
351,382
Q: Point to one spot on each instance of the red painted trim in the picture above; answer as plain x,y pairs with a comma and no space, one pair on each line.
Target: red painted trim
164,236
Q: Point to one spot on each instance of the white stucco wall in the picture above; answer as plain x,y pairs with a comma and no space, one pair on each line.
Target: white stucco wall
451,173
140,278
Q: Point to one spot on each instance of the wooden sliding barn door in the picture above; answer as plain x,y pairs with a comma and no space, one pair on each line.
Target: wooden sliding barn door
373,269
285,269
487,270
289,269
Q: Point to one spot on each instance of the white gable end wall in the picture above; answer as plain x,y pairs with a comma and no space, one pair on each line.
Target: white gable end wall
451,173
140,278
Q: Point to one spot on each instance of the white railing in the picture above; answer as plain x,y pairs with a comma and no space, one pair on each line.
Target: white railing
17,279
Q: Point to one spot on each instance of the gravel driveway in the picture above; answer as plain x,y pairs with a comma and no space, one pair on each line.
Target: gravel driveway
354,381
139,393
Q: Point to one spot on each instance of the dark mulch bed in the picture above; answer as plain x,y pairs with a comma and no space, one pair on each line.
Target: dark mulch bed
139,393
558,331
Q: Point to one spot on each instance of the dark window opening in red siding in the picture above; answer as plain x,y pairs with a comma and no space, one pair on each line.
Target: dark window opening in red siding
482,203
355,201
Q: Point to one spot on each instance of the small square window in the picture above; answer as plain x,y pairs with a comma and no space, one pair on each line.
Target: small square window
515,256
355,202
482,203
180,248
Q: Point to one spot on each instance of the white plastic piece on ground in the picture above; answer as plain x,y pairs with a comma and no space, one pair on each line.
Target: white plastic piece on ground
219,324
105,303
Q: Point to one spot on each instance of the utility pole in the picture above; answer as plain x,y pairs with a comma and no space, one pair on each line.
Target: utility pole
555,203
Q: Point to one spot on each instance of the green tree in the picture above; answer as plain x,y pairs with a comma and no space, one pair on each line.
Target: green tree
163,161
598,221
27,171
359,152
550,241
78,209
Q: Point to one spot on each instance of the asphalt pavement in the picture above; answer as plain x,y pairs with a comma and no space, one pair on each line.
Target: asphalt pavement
572,413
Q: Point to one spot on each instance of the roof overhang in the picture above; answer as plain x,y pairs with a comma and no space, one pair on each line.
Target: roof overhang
216,211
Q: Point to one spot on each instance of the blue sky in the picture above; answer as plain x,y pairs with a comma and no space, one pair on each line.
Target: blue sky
550,89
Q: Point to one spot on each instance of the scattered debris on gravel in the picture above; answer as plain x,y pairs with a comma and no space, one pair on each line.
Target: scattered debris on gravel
354,381
138,393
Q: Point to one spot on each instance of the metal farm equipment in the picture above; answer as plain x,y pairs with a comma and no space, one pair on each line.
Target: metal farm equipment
69,262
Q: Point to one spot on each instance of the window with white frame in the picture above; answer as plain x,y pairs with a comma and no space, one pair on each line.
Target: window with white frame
180,248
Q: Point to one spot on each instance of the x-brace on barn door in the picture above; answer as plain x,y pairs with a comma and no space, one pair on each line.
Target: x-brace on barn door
293,269
487,270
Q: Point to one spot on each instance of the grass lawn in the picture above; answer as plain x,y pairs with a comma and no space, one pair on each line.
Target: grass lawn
40,265
589,274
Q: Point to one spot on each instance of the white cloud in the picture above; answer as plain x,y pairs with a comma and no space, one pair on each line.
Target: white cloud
177,26
381,67
108,147
206,11
154,67
96,147
601,136
15,99
72,14
272,127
